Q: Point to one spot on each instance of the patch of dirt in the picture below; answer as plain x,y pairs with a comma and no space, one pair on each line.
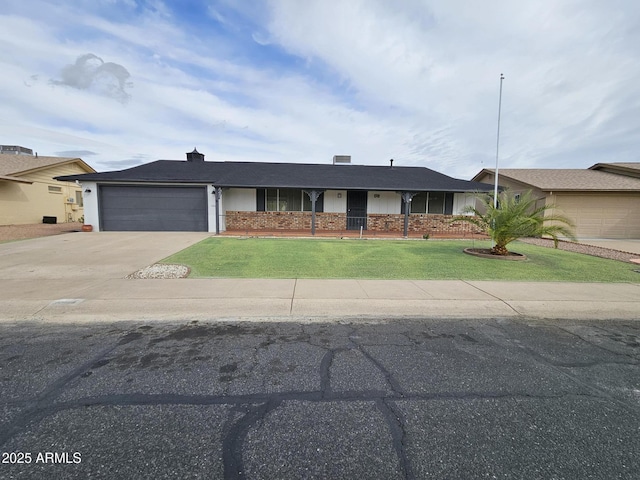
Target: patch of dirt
486,253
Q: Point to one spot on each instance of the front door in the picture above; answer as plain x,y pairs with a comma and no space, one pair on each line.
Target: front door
356,210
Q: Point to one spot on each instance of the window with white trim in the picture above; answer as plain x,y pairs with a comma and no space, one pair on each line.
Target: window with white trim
287,200
428,202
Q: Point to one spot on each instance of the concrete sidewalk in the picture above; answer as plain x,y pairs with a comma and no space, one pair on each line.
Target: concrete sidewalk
80,277
120,299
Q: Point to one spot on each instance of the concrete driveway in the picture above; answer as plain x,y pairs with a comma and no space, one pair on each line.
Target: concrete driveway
89,257
37,273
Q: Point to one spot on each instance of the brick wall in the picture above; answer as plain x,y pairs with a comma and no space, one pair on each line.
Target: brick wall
393,223
425,223
440,224
268,220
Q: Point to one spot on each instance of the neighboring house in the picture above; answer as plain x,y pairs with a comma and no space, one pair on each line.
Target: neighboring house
28,191
254,196
603,201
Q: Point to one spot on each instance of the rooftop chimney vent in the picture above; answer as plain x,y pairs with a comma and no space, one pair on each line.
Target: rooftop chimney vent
342,159
195,156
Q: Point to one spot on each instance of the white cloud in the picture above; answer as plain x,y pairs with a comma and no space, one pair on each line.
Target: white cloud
90,72
441,64
301,81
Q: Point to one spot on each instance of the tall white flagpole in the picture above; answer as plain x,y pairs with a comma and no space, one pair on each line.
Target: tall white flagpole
495,187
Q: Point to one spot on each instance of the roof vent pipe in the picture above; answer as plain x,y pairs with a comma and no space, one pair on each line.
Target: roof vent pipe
195,156
391,161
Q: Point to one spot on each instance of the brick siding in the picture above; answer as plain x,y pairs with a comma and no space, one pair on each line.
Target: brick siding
431,224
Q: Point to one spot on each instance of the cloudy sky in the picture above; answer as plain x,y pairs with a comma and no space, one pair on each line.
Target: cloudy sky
123,82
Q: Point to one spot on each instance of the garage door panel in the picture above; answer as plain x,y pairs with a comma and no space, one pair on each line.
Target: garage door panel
153,208
603,216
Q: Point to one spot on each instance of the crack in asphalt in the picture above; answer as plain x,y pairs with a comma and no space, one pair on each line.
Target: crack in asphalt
393,383
144,399
394,421
398,435
560,368
602,347
35,412
233,441
325,372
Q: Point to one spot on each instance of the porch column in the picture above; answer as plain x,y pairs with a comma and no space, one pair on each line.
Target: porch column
406,198
313,196
218,194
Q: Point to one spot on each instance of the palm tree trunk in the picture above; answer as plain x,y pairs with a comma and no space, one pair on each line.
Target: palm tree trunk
499,250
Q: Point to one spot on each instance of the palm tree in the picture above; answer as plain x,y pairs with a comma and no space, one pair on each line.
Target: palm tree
516,217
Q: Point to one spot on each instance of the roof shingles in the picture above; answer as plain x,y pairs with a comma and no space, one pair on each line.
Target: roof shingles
550,179
13,165
287,175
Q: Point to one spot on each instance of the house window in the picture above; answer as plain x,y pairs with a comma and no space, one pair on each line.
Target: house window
284,200
428,202
53,189
306,203
272,199
419,203
79,200
436,202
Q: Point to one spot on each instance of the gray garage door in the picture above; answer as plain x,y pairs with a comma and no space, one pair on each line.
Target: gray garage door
153,208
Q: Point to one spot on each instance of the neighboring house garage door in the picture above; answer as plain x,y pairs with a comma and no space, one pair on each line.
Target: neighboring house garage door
601,215
153,208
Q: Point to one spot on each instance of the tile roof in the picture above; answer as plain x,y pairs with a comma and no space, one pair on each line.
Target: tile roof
12,165
287,175
550,179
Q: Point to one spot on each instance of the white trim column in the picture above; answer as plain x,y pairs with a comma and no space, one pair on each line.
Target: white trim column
90,205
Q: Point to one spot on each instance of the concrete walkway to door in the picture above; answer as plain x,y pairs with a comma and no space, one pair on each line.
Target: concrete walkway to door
81,277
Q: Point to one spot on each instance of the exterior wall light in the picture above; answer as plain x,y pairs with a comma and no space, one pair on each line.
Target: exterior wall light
88,190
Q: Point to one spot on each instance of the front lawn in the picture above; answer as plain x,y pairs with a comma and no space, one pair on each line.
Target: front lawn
390,259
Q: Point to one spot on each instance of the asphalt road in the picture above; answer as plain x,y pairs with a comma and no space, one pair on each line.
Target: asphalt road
348,399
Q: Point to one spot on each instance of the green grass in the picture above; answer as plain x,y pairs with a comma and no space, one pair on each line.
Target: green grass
387,259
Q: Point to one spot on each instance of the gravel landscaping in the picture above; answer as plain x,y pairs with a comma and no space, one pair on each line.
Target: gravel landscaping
582,248
161,271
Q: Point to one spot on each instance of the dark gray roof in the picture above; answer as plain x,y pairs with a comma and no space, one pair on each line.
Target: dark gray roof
287,175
